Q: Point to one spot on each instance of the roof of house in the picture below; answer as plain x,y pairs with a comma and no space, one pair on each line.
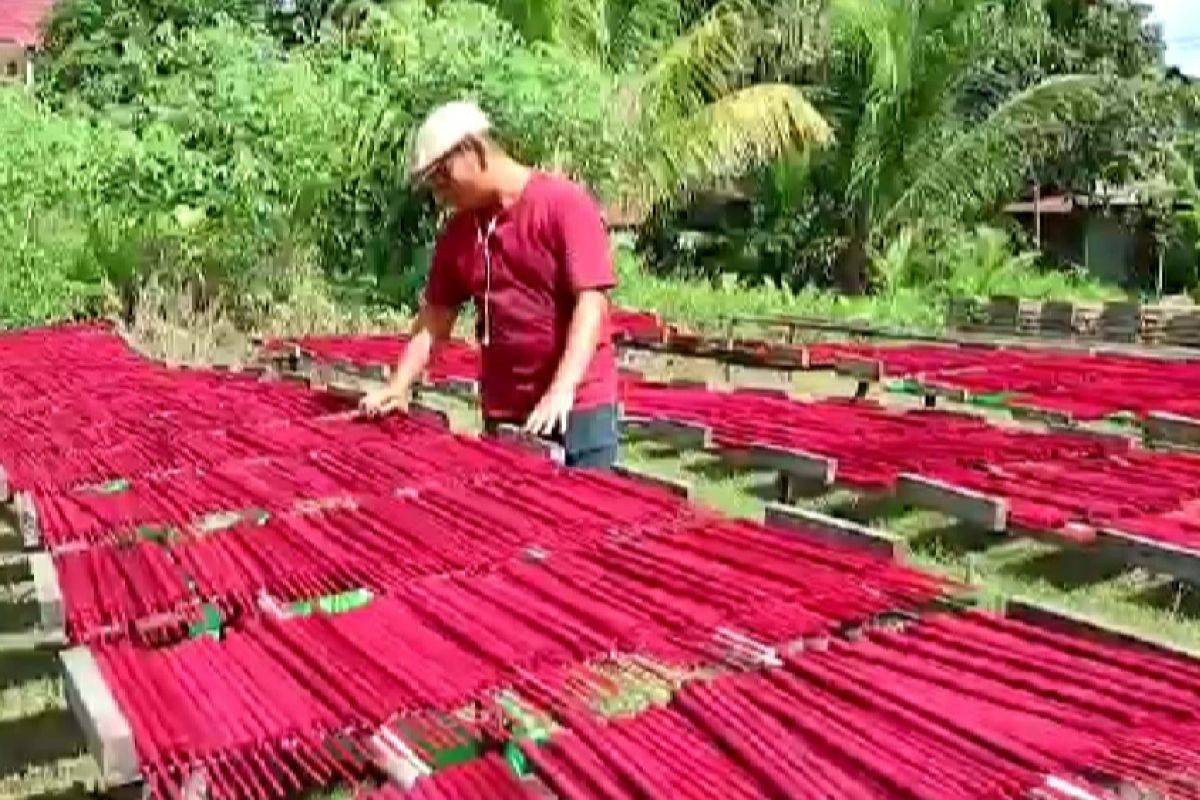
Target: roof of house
1048,204
21,21
1104,197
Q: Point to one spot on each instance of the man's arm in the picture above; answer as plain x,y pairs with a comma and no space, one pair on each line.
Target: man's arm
587,262
587,321
433,324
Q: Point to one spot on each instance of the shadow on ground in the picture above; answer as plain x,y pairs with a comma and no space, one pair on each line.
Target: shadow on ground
19,616
40,739
654,449
16,571
19,666
955,539
1067,569
10,542
78,792
1174,596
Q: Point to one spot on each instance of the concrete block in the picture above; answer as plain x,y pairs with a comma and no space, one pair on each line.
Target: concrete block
27,520
1157,557
989,513
798,465
822,527
107,731
1045,616
49,594
1172,429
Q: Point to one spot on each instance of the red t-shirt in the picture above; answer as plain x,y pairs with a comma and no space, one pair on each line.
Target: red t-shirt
545,248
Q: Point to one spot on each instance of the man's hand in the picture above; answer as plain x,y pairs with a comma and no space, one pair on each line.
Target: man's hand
384,401
552,412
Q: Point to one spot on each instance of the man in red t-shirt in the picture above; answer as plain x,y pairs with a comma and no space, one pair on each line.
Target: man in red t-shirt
532,251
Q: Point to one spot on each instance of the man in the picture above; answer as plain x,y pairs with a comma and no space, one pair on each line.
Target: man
532,251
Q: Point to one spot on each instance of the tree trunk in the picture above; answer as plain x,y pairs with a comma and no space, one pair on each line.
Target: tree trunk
852,266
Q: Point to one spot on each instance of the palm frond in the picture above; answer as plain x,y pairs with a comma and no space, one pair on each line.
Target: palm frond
706,62
538,20
904,60
639,30
795,34
984,163
725,140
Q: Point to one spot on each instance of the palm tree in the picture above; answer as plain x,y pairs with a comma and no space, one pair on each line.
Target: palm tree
904,152
687,74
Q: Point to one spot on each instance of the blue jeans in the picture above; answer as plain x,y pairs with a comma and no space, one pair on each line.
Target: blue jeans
591,441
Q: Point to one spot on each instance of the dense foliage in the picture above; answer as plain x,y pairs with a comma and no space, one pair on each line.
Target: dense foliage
250,155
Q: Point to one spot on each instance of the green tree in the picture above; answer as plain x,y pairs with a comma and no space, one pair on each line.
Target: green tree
104,52
904,154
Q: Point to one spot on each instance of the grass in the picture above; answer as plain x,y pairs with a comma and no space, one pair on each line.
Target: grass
913,289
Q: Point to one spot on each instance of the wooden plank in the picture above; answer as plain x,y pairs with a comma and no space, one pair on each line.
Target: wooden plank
787,356
107,731
863,369
1046,415
1104,437
1174,429
1158,557
49,595
690,383
678,488
989,513
796,464
27,520
815,525
533,444
680,434
1036,613
343,391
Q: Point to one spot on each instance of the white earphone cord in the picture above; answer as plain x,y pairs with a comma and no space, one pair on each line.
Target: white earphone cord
484,244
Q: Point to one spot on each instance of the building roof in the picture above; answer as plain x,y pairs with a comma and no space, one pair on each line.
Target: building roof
1102,198
21,21
1048,204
